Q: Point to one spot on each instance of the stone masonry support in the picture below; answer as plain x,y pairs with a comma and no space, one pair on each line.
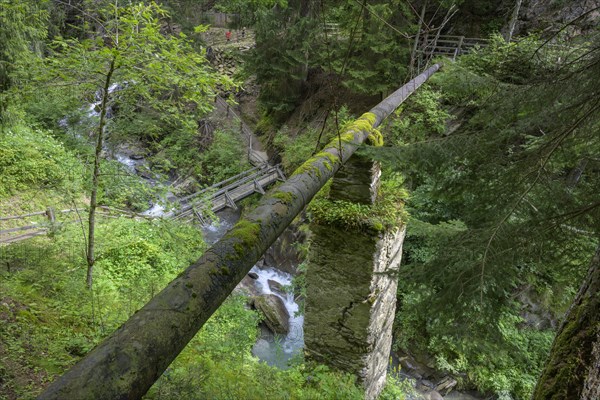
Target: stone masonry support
351,285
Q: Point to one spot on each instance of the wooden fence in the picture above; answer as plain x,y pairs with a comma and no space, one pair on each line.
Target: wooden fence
448,45
45,221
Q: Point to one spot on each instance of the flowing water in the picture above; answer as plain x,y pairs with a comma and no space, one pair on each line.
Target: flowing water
273,349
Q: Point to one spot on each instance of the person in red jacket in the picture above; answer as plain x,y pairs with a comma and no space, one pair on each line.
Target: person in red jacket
228,35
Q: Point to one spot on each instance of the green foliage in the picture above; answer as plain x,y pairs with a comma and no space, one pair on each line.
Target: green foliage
296,149
121,188
22,29
280,60
420,117
379,54
386,213
49,319
160,86
395,388
514,62
226,157
246,10
497,215
33,159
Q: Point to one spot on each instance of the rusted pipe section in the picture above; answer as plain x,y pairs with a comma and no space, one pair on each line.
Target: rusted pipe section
127,363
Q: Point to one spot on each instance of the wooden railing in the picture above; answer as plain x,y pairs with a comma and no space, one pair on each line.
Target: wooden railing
448,45
41,222
226,193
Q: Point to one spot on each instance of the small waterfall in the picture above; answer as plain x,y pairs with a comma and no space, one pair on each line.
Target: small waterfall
277,350
273,349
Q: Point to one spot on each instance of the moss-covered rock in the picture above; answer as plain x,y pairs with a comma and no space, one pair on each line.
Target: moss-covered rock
276,315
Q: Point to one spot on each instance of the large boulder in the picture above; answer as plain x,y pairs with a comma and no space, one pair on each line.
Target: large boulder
276,287
276,315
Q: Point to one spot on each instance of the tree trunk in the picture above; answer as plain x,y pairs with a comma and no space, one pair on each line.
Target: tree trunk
96,175
513,20
572,371
413,54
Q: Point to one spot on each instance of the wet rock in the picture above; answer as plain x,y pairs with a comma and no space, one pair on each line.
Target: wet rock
282,254
253,275
276,287
433,395
276,315
446,385
427,383
248,287
425,387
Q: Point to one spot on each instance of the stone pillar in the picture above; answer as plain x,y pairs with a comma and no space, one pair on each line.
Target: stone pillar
351,287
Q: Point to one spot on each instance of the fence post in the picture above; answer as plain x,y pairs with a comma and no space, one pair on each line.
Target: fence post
50,215
52,218
459,47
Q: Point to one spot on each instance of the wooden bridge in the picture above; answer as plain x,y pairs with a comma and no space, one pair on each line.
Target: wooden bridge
195,207
428,46
226,193
448,45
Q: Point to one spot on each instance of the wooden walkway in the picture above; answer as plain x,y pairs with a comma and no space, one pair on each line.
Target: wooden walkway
446,46
195,207
225,194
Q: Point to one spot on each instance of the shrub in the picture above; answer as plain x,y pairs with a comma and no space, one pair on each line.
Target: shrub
32,159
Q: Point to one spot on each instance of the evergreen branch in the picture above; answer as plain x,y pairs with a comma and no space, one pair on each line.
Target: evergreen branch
373,13
565,26
574,213
558,140
92,17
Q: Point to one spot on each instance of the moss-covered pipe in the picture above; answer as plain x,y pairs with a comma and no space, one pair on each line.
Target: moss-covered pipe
126,364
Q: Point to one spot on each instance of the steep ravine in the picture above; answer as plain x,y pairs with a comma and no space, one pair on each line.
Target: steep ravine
274,349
